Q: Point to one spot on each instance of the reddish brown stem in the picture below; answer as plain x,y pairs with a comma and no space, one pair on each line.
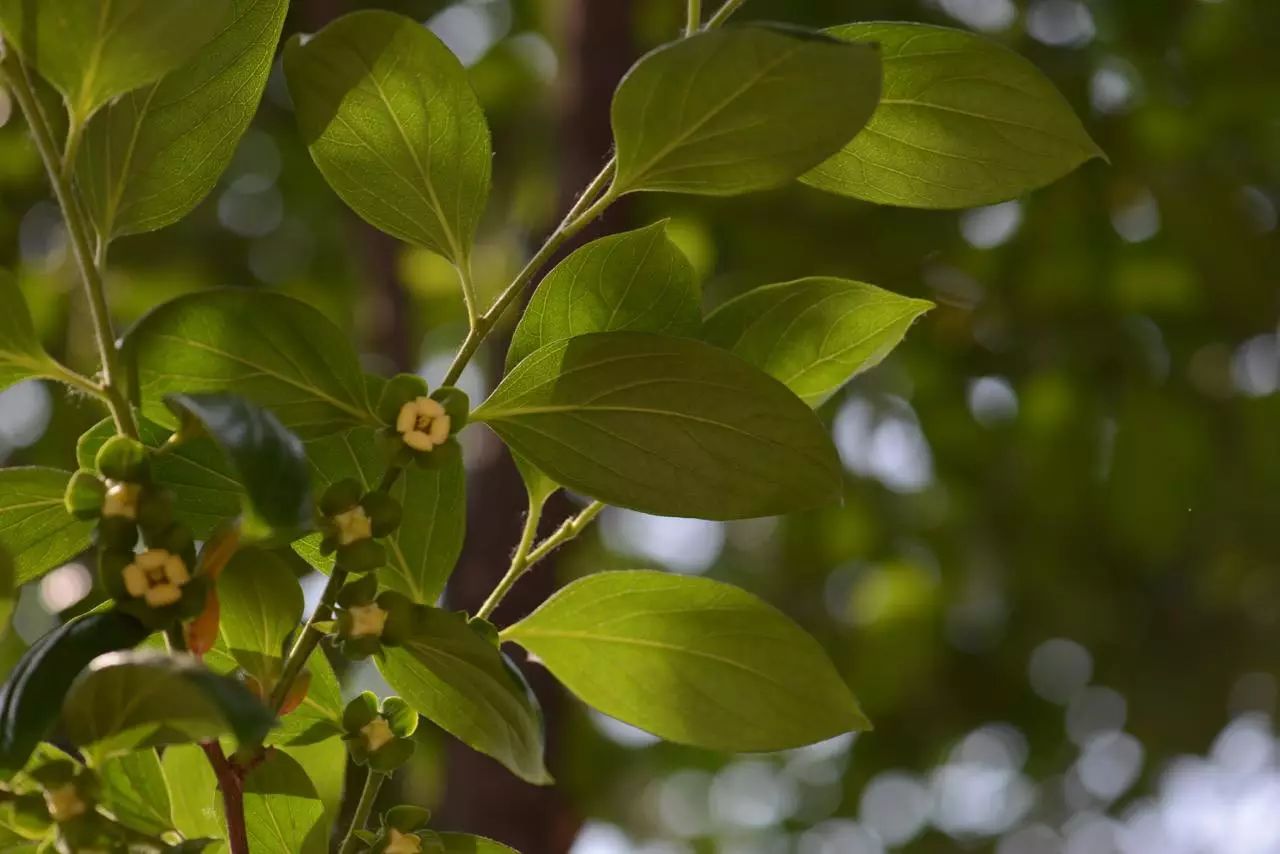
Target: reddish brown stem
231,784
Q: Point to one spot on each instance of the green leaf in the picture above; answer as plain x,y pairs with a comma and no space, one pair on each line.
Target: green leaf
205,491
458,680
134,790
465,843
637,280
664,425
193,791
35,529
319,716
283,812
325,764
963,121
395,128
152,155
22,356
423,551
41,680
261,605
130,701
813,334
266,347
12,646
740,109
268,461
691,660
94,50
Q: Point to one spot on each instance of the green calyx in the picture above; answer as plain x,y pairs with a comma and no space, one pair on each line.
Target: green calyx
368,620
404,831
379,736
85,495
124,459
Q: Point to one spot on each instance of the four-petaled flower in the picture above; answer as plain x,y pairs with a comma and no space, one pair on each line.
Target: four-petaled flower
353,525
367,621
121,500
402,843
376,733
157,576
423,423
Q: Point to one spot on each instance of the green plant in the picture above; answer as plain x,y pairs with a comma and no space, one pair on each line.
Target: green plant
245,444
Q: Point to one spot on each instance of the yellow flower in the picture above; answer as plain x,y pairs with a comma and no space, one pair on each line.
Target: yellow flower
64,802
423,424
376,733
367,620
122,500
157,576
353,525
402,843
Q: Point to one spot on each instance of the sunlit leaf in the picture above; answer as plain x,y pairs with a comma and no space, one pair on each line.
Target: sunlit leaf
740,109
35,529
963,121
691,660
814,334
394,126
150,156
664,425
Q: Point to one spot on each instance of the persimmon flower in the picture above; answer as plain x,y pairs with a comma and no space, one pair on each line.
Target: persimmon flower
157,576
402,843
423,424
367,621
376,733
64,802
122,500
353,525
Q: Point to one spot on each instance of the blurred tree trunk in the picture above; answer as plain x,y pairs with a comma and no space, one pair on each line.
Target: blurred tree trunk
481,796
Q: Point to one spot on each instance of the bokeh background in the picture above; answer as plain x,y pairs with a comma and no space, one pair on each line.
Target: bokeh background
1055,579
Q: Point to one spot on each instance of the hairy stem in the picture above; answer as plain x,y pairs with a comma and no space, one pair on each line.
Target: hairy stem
723,13
572,527
308,639
78,230
519,562
589,206
694,22
231,785
372,783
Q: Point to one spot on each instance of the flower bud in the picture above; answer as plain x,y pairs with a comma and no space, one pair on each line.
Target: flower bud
85,495
123,458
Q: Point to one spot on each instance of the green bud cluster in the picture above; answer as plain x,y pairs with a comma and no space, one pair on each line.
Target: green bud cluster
379,736
421,425
368,620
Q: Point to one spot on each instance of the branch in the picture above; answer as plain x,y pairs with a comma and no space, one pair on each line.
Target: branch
231,784
308,640
372,783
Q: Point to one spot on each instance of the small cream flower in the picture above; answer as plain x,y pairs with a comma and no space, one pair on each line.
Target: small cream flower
376,733
423,424
158,576
64,802
402,843
353,525
121,500
367,621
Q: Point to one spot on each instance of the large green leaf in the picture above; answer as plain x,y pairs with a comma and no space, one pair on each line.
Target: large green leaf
94,50
664,425
133,789
129,701
457,679
193,792
205,491
814,334
268,461
283,812
637,280
35,529
266,347
319,717
261,605
962,122
691,660
394,126
12,646
325,764
424,550
151,156
21,354
740,109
